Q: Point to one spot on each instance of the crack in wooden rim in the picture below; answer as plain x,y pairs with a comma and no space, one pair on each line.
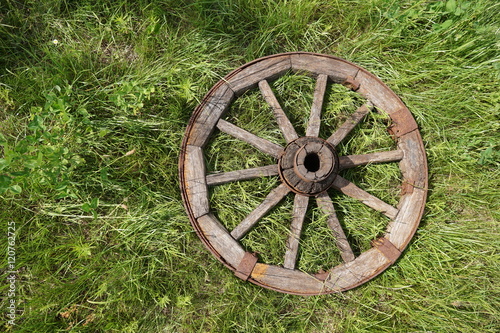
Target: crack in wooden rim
403,219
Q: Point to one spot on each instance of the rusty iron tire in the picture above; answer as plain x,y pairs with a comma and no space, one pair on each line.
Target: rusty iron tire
307,167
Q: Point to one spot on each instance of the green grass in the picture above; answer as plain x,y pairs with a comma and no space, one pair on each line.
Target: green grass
94,100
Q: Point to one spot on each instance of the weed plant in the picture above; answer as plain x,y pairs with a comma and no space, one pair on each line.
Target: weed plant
94,100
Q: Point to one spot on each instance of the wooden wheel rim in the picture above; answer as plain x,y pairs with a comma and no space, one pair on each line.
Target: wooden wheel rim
410,153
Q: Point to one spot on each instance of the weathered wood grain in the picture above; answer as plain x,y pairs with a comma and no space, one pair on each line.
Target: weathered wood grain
261,144
209,113
249,76
327,163
348,188
314,123
291,177
411,206
220,240
244,174
401,230
287,160
292,245
326,205
414,164
284,123
402,122
287,280
272,199
378,93
351,161
336,69
349,124
358,271
196,186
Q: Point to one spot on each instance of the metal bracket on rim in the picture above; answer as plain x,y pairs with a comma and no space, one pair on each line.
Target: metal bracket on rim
246,266
388,249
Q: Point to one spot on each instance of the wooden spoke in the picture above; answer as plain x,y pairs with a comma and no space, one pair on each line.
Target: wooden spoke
326,205
261,144
244,174
348,188
315,117
352,161
283,122
269,202
292,245
349,124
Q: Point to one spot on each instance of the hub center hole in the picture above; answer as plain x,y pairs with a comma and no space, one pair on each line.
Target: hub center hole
311,162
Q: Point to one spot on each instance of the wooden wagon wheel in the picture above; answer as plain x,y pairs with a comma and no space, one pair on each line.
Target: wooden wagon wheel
307,167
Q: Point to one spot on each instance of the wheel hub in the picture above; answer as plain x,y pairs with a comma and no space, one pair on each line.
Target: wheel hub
309,165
